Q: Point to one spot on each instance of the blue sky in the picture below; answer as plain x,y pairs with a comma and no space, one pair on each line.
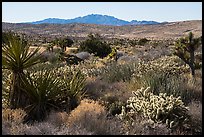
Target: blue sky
16,12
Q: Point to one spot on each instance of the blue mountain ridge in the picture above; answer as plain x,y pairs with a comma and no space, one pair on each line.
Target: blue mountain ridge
94,19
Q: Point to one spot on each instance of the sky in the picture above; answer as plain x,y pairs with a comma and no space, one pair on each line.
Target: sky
16,12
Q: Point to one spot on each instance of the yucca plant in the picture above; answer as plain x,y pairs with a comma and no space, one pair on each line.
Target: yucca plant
74,87
17,57
44,91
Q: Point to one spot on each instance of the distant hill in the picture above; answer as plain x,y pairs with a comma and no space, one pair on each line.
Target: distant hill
158,31
94,19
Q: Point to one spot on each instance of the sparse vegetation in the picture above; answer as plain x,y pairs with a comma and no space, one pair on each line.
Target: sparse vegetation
89,91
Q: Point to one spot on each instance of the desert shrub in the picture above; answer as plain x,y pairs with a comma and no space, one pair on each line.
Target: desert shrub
95,88
57,118
158,108
127,59
161,82
92,116
195,111
13,115
116,73
176,85
113,72
133,42
95,45
11,119
143,126
72,59
115,107
43,128
168,64
86,108
142,41
111,95
12,124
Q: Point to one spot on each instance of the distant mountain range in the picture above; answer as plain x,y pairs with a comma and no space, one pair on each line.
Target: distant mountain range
94,19
160,31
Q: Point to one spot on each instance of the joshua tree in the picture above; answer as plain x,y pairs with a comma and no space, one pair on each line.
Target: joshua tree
16,57
185,50
66,42
50,46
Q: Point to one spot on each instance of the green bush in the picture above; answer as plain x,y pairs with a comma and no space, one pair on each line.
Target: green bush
95,45
158,108
176,85
142,41
114,72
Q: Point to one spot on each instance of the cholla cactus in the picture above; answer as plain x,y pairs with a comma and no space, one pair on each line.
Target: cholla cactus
167,64
159,108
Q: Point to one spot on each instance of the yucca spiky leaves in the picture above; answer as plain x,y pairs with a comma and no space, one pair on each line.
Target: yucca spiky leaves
17,57
43,89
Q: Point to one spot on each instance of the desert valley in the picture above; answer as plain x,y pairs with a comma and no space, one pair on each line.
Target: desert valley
96,79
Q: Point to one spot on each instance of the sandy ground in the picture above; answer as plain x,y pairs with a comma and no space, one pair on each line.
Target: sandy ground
42,49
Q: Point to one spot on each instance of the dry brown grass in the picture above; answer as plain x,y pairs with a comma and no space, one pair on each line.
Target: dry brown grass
95,87
57,118
86,109
54,125
195,111
92,116
13,116
42,49
100,89
12,120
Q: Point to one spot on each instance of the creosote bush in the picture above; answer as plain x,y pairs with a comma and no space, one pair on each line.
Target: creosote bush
142,41
95,45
